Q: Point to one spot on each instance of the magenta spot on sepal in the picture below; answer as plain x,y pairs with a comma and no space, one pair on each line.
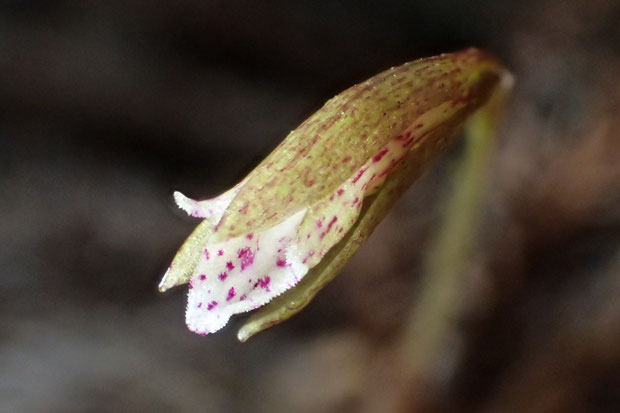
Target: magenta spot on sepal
331,223
230,266
220,253
203,277
380,155
263,283
359,175
231,294
222,276
246,257
211,305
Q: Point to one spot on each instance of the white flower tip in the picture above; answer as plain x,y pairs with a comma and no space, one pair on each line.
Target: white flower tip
183,202
203,326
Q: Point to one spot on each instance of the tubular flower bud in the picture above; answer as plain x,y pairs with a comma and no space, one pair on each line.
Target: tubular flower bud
306,208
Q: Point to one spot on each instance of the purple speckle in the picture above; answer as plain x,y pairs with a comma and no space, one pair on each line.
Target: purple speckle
281,262
246,256
249,236
341,191
329,226
331,223
211,305
231,294
199,305
359,175
222,276
380,155
191,285
206,254
263,283
243,297
203,277
220,253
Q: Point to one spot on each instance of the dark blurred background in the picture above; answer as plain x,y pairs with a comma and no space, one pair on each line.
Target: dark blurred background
107,107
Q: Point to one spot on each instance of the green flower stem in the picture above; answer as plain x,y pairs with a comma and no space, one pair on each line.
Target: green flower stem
431,330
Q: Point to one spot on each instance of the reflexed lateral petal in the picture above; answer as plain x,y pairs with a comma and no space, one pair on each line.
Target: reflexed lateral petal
212,208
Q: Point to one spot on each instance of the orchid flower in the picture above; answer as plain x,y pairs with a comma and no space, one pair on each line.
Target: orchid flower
296,219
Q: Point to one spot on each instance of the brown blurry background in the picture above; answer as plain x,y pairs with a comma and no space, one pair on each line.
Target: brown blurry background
107,107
